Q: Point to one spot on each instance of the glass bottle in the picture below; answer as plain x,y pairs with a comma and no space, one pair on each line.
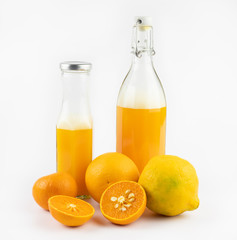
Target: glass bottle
74,126
141,105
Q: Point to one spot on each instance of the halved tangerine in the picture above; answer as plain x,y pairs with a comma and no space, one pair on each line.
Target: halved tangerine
123,202
70,211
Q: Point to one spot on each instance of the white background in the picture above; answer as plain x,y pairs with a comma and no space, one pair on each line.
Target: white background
196,45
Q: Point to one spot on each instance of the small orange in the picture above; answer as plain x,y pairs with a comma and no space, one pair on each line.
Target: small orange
70,211
51,185
109,168
123,202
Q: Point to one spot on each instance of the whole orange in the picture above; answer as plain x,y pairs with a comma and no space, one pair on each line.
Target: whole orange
109,168
51,185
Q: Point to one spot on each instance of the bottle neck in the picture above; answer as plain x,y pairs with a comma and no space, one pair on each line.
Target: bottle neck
75,111
75,86
145,59
75,94
142,42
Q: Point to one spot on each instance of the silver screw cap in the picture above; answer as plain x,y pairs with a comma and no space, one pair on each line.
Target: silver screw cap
75,66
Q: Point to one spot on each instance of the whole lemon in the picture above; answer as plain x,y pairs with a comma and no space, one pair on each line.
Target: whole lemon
171,185
109,168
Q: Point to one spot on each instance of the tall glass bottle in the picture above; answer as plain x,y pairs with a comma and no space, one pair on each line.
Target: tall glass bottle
141,105
74,126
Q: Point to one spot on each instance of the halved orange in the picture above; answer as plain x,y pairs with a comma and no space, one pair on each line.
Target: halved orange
123,202
70,211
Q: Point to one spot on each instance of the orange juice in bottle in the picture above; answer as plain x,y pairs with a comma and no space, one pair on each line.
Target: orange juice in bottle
74,126
141,106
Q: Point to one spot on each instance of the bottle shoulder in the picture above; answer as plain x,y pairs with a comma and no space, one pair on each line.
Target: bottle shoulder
74,122
74,116
141,88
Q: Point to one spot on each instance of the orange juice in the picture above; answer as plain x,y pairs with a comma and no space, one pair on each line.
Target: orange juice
141,133
74,154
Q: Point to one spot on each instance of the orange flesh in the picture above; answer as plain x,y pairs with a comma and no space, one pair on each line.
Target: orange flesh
71,206
141,133
117,190
74,154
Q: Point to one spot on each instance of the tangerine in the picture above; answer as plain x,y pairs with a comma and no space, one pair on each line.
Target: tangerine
123,202
51,185
70,211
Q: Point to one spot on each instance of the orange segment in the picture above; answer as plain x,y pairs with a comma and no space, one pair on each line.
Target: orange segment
70,211
123,202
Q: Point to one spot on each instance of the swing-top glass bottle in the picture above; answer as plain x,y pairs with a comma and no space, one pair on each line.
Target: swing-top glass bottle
141,105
